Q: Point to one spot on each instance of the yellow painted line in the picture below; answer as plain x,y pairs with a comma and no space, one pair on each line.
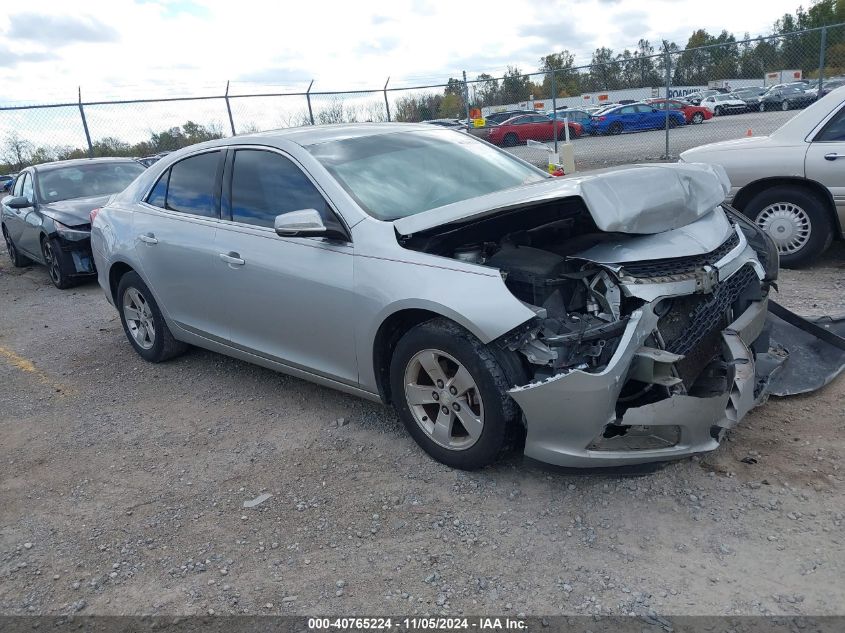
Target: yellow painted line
28,367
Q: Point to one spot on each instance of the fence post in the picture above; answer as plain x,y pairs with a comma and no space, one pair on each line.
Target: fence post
229,109
308,96
554,106
466,97
386,103
85,124
821,57
666,103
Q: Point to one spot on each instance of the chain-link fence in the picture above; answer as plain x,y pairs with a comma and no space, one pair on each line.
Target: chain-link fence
649,104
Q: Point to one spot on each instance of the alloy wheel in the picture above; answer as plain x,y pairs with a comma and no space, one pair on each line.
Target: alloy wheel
52,263
787,224
139,318
444,399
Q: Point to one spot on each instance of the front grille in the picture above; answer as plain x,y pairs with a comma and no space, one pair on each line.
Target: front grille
694,323
679,265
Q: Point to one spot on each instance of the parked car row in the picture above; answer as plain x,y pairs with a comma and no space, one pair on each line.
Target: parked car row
599,320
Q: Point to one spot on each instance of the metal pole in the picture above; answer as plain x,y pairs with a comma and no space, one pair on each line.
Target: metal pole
666,103
85,125
821,58
229,109
466,97
386,103
308,96
554,108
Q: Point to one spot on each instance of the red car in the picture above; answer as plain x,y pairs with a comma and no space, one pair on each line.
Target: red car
534,127
692,113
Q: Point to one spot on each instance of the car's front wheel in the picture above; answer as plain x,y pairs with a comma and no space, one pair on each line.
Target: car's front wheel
784,105
796,219
510,140
143,322
18,260
56,263
450,391
762,107
697,118
615,128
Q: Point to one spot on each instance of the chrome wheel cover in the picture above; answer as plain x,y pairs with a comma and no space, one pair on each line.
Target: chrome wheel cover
444,399
787,224
139,318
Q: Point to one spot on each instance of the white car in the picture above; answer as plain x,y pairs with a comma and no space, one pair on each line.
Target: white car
724,104
792,182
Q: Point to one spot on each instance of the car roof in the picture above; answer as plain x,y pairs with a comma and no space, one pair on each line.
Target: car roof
78,162
316,134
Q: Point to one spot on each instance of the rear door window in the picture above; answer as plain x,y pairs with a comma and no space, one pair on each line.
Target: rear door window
192,187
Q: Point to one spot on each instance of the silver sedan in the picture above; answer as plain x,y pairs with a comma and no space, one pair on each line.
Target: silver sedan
611,318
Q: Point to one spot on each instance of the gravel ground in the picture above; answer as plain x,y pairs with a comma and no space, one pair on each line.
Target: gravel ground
122,487
594,152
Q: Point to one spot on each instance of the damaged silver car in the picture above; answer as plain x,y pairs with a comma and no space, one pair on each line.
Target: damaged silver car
613,318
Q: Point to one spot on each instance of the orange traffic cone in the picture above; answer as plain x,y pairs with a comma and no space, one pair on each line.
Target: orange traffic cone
748,133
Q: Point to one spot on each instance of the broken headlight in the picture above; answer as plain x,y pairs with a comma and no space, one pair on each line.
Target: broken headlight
73,233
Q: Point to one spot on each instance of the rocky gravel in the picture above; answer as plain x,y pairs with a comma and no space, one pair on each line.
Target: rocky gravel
209,486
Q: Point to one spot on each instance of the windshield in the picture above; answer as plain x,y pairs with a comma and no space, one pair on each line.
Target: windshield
396,175
86,181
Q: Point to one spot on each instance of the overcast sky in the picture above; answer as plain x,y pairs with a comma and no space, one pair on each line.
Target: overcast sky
131,48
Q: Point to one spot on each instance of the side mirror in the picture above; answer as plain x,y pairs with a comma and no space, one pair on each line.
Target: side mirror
18,202
303,223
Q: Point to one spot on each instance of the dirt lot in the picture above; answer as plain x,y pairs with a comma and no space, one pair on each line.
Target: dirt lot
122,486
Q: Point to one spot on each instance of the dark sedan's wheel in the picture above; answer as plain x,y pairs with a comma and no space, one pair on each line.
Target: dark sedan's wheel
718,111
697,118
510,140
143,322
57,264
18,260
762,107
615,128
784,105
450,391
796,219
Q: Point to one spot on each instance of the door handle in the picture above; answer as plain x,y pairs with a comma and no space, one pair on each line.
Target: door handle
833,156
148,238
232,258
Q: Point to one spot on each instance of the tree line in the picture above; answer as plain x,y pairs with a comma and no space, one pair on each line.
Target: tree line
725,57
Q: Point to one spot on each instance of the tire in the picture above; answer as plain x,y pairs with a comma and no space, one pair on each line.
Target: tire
57,264
444,345
18,260
762,107
132,291
784,105
615,128
718,111
782,211
697,118
510,140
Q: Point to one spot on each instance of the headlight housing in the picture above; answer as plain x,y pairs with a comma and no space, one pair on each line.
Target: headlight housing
761,242
73,233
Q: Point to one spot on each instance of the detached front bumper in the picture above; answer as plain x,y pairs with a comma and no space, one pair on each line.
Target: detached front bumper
577,418
567,415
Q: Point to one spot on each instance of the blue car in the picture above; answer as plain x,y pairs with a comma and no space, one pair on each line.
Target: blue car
578,116
633,117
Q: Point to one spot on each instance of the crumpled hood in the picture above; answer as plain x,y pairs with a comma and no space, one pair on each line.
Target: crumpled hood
639,199
73,212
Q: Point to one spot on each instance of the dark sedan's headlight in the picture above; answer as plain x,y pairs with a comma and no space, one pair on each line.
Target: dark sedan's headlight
761,242
73,233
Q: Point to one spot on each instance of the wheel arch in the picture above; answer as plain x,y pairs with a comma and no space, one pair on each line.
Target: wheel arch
747,193
116,272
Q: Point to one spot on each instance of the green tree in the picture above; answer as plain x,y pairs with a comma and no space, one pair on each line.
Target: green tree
514,85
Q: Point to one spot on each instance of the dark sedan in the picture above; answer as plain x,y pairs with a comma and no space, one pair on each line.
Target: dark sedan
785,98
46,219
751,96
